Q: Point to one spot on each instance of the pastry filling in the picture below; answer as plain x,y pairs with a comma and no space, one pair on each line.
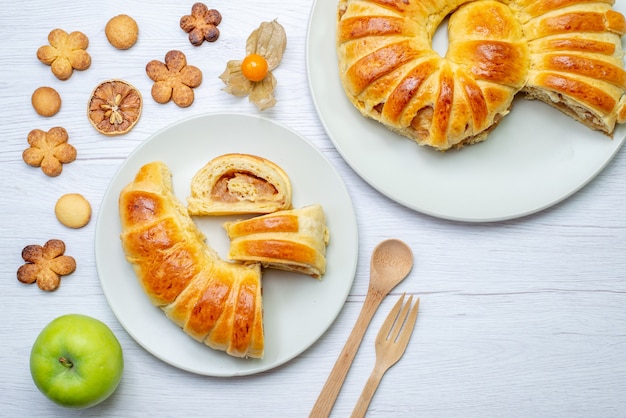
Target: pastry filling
242,186
568,107
422,121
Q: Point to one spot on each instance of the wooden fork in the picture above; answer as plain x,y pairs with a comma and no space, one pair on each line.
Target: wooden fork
391,342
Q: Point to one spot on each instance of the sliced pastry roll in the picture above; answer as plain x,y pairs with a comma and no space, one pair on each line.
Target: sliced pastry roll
214,301
222,308
577,60
239,183
292,240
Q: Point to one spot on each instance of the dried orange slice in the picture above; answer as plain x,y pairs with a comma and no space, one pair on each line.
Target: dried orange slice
114,107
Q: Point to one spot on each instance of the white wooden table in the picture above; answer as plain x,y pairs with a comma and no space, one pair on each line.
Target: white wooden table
518,318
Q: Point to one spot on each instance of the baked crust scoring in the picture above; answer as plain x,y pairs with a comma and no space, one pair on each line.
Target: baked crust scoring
567,53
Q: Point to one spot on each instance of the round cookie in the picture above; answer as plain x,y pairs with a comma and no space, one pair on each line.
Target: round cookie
122,31
73,210
46,101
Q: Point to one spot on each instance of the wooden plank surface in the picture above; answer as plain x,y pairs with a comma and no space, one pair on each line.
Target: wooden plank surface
522,318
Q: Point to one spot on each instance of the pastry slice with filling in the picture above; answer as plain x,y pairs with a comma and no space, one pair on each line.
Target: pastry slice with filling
291,240
239,183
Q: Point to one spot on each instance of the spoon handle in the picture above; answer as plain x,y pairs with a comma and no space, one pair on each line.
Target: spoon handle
330,391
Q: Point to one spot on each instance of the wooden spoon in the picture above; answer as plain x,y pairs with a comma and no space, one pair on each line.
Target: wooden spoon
391,262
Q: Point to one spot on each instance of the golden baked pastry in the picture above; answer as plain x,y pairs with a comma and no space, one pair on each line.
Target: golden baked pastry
173,79
390,72
565,52
212,300
46,101
73,210
292,240
239,183
122,31
66,53
576,59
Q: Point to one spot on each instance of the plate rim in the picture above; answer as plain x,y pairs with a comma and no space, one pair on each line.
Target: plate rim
616,144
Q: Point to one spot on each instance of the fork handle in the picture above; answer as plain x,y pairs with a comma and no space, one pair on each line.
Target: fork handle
368,392
330,391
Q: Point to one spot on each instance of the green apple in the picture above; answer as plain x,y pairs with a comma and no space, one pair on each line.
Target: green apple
76,361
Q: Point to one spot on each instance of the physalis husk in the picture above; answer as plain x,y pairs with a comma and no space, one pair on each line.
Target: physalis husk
269,41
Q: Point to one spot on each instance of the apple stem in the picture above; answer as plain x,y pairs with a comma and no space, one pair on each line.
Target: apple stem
67,363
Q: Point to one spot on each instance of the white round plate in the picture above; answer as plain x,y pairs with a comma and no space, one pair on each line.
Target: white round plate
535,158
298,309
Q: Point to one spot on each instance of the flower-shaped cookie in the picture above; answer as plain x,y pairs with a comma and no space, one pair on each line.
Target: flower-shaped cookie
174,79
201,24
45,265
266,45
49,150
65,53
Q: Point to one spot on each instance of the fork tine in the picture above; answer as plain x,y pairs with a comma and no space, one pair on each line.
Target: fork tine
385,329
400,320
410,323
